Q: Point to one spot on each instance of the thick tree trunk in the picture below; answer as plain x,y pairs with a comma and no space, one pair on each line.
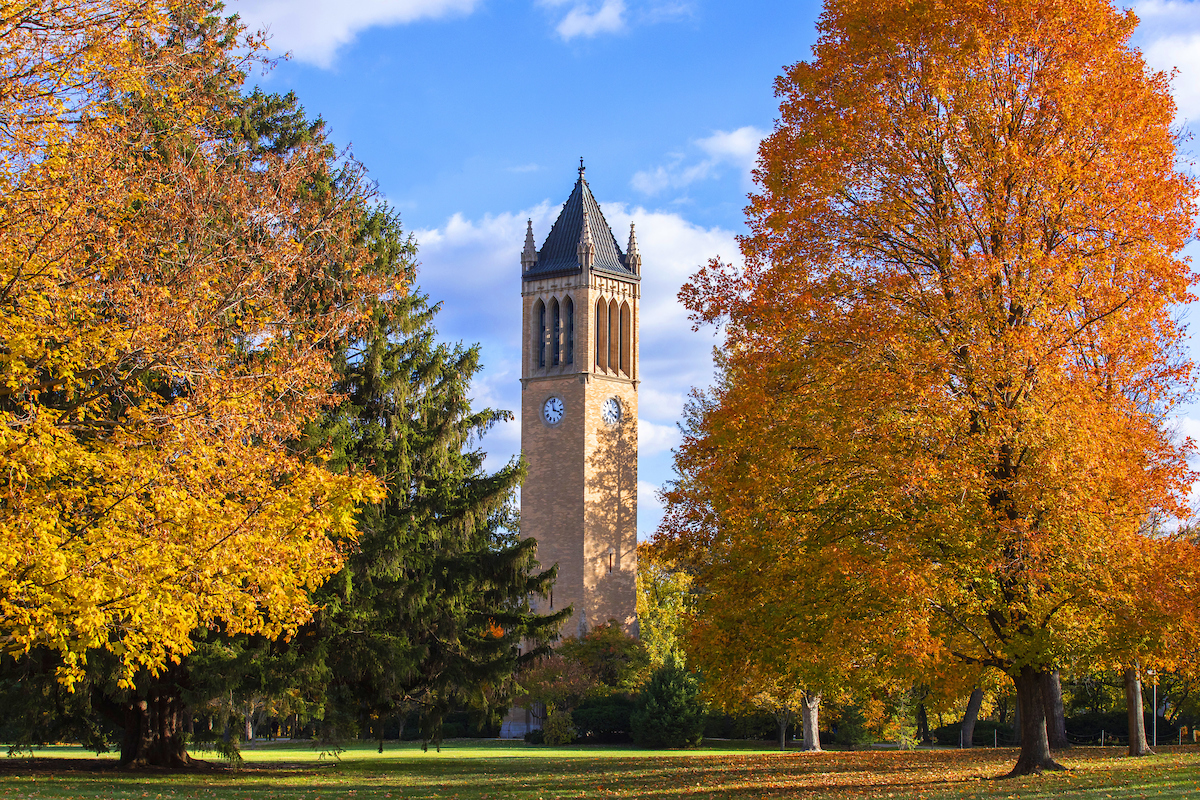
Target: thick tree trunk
809,708
971,717
1056,721
154,724
1017,721
1035,744
154,733
1133,709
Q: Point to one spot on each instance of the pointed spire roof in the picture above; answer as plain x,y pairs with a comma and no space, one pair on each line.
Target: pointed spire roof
560,254
633,256
529,254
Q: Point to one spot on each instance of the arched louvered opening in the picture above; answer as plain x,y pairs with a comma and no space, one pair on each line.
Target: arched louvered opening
569,315
626,341
601,334
539,342
614,336
555,332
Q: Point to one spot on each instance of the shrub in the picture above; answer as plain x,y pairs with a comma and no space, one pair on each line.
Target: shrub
559,728
605,720
535,736
669,712
613,658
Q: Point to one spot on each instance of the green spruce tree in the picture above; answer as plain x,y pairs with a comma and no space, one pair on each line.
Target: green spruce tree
432,607
669,710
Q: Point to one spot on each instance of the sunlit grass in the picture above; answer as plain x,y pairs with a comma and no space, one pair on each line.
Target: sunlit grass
477,769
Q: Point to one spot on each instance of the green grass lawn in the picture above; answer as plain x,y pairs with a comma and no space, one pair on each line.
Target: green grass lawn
488,769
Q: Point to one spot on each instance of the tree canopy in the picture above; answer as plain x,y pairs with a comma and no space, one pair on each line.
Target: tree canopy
170,293
951,354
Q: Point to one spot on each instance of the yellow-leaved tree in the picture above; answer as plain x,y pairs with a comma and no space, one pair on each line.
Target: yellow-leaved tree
951,353
176,265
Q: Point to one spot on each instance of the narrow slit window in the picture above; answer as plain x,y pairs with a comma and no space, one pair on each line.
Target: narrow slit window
614,336
569,312
626,341
540,310
601,334
555,332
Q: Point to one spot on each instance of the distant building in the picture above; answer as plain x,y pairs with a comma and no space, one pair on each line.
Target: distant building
579,409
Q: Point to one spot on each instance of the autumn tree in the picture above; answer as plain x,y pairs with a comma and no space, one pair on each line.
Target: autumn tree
664,599
951,352
781,603
172,290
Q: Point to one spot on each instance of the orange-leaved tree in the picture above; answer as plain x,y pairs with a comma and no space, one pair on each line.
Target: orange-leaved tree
787,598
951,348
173,281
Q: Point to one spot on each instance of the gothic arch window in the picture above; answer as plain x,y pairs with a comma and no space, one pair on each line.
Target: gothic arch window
626,340
601,334
614,336
569,314
539,344
555,332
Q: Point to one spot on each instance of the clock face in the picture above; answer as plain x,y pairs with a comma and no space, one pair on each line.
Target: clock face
610,412
553,410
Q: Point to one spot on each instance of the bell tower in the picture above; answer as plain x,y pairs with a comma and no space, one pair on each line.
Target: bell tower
579,409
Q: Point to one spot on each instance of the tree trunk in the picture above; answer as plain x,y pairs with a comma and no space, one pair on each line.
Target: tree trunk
1017,721
923,735
1133,709
971,717
783,719
154,725
1056,722
809,708
1035,744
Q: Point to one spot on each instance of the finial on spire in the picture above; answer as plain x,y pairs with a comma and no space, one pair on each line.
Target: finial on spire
529,255
633,257
581,170
587,247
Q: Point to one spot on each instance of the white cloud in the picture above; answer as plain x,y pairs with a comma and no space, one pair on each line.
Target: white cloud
648,496
1182,427
591,18
585,19
1169,35
313,30
654,438
738,148
1182,53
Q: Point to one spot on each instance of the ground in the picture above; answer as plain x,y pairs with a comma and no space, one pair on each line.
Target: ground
472,770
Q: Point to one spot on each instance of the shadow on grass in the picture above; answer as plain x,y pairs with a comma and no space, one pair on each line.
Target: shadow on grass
929,774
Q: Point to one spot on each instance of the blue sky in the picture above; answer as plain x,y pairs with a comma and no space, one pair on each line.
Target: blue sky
472,116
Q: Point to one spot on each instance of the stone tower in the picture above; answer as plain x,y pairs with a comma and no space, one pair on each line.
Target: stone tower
579,408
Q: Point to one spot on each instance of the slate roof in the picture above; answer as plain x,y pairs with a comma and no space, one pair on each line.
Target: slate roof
560,255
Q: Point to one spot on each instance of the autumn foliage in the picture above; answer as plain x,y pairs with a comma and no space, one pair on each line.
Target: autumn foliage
170,288
951,355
